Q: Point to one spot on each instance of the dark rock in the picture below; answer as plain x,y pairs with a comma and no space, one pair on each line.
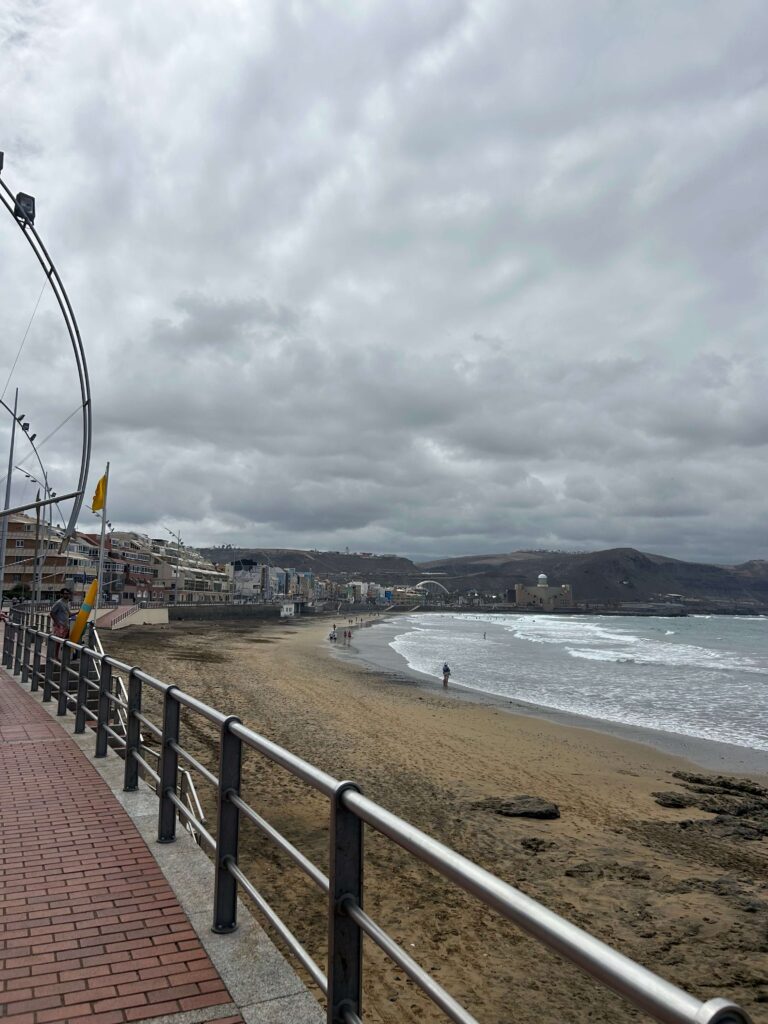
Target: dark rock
750,906
521,807
584,870
734,805
738,828
716,783
533,845
672,799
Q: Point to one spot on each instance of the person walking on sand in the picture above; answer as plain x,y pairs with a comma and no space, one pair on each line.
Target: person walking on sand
446,673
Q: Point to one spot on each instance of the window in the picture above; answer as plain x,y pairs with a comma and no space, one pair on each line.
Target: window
19,543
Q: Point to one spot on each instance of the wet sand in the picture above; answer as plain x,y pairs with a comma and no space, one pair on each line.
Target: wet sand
677,889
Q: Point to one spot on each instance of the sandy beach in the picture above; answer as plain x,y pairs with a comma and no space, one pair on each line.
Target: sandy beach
680,889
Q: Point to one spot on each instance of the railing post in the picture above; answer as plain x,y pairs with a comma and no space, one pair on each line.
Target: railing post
132,733
102,716
20,631
169,768
82,689
26,634
7,642
345,939
36,652
50,656
228,830
64,679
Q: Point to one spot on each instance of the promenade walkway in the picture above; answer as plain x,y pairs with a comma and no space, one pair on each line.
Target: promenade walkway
91,931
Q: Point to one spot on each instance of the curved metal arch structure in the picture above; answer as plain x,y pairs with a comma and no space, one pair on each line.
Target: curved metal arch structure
49,269
43,470
431,585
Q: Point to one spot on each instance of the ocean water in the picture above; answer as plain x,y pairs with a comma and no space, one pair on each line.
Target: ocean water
700,676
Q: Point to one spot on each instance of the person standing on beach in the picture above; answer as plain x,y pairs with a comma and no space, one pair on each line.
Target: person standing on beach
446,673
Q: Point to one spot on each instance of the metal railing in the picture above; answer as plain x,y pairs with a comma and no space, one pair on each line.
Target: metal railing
39,657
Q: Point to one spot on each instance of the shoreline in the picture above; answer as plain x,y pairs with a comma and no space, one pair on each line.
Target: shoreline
712,755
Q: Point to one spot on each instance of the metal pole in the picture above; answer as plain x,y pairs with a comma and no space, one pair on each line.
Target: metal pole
227,833
345,939
63,705
169,768
97,602
102,721
133,733
6,506
36,572
33,504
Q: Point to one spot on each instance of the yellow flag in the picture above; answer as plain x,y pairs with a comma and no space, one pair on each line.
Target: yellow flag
97,502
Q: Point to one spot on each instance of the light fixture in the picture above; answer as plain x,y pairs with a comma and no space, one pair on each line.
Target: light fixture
24,210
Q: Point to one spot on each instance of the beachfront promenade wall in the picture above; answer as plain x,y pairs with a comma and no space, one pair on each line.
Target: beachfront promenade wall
75,675
222,612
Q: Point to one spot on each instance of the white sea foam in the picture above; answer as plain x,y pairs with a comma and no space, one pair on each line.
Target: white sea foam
696,679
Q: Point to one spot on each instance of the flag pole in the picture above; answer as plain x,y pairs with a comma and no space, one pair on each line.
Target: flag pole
97,602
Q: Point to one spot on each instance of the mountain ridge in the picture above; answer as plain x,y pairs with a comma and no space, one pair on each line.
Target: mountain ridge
610,576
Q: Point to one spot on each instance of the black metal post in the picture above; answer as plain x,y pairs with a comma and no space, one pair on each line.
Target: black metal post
36,652
345,939
7,643
64,679
227,834
102,716
20,630
132,733
169,768
82,689
26,647
50,657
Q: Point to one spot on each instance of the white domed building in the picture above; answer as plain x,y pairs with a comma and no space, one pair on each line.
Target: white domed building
543,596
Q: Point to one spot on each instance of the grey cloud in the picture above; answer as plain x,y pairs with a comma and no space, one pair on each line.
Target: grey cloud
417,277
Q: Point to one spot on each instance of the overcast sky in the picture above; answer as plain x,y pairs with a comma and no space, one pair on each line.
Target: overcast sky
433,277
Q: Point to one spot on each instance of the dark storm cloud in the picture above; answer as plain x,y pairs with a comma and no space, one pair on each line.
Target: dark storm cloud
424,277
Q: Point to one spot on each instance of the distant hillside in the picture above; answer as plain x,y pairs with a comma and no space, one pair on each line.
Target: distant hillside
606,577
619,574
328,564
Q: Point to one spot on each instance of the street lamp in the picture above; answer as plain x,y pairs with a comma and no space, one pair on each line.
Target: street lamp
37,580
24,208
20,419
179,546
7,505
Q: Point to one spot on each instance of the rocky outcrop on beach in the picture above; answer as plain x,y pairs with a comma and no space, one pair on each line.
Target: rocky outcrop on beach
740,807
520,807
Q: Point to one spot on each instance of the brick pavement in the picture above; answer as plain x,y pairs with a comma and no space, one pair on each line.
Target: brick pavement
90,931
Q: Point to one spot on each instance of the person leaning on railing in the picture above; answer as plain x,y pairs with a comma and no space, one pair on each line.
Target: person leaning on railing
59,614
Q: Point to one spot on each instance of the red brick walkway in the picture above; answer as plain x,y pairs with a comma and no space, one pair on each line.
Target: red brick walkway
90,931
